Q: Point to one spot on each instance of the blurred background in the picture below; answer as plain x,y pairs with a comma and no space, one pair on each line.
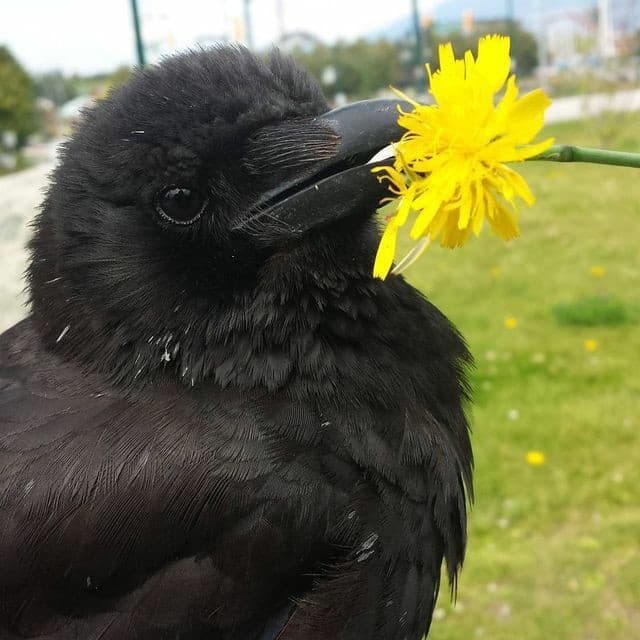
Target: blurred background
551,318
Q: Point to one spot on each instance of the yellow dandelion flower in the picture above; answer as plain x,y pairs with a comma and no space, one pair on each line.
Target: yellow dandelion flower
535,458
449,167
590,344
511,322
597,271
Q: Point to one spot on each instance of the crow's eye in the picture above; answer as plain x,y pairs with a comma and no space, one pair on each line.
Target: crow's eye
180,205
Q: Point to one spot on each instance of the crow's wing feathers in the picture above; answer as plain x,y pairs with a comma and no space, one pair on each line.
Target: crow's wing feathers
112,494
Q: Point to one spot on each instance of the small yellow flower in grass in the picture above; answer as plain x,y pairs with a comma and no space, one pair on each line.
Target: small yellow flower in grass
597,271
496,272
535,458
449,167
511,322
590,344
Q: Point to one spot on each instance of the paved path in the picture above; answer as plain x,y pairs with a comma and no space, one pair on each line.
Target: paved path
20,195
576,107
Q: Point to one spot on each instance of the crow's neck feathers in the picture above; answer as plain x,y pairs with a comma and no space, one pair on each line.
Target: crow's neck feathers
135,321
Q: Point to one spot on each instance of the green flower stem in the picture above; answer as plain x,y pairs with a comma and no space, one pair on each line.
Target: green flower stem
571,153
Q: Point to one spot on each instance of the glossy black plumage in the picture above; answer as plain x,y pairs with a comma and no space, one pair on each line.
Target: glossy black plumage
206,436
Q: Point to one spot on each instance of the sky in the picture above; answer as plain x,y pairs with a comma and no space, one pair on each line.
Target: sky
89,36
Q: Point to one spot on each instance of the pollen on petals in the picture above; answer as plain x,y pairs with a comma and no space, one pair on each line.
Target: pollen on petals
450,174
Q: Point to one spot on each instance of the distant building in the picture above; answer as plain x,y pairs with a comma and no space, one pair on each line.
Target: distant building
570,33
568,36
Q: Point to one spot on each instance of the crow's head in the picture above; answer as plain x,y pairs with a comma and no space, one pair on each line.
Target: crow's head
190,191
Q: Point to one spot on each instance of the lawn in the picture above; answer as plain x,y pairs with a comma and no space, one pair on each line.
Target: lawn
554,549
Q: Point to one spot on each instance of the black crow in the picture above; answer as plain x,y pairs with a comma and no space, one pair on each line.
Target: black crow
215,424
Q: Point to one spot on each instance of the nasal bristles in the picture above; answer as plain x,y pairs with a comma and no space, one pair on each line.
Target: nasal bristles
293,144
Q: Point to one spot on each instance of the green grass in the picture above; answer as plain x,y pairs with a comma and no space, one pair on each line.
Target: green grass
592,311
554,551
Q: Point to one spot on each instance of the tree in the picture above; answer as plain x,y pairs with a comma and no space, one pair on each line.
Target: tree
119,76
524,47
55,86
17,95
361,67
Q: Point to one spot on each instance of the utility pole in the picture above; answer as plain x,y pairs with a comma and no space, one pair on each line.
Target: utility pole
138,33
248,30
606,38
511,29
419,51
510,19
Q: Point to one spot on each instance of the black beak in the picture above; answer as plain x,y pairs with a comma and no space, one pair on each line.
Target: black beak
335,180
